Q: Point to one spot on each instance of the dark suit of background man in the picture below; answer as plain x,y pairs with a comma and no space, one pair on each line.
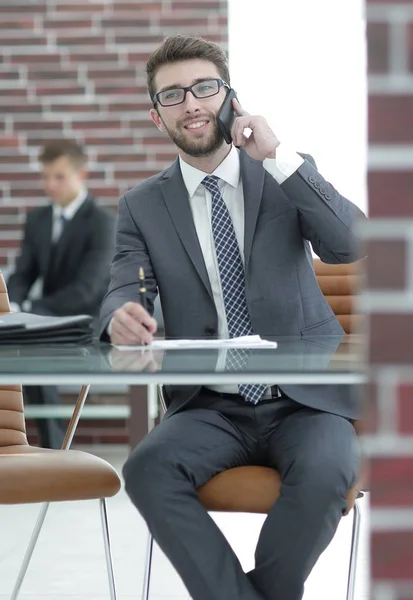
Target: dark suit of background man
229,255
68,245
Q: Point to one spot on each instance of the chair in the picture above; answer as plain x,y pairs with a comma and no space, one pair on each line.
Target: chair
29,474
340,284
235,490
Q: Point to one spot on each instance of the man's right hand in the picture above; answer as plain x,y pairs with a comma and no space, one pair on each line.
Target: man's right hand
132,325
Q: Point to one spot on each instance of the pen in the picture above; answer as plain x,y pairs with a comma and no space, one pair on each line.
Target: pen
142,288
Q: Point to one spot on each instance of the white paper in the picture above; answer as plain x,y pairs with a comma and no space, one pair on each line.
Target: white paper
245,341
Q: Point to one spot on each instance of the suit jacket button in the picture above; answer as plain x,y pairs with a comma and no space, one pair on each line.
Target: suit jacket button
322,191
311,179
329,197
210,330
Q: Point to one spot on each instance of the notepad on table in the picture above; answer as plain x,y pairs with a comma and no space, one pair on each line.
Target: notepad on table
244,341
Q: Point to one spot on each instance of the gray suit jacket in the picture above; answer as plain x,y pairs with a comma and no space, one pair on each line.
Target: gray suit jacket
155,230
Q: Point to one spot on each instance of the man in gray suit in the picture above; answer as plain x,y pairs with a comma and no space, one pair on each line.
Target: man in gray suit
224,235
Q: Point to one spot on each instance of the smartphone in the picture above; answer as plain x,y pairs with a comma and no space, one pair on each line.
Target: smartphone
226,116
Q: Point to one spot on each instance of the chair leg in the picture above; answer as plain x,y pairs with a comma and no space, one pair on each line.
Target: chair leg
148,568
351,585
29,551
108,552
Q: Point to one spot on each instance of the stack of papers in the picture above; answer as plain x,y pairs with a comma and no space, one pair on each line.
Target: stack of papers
245,341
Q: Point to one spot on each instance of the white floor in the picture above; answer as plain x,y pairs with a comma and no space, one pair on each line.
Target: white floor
69,563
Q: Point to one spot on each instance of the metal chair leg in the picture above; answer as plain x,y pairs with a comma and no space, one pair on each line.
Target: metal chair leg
108,553
29,551
148,568
351,585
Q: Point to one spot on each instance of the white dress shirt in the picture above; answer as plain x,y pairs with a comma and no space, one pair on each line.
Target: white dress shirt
230,184
68,212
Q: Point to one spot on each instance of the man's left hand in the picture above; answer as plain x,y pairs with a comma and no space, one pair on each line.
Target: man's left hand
262,143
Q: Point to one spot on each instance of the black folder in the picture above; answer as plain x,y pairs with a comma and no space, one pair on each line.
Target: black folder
26,328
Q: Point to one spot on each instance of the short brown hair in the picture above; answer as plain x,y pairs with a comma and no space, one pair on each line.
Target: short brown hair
70,148
184,47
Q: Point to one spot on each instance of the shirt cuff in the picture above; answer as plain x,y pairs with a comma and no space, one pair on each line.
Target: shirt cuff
27,306
285,163
14,307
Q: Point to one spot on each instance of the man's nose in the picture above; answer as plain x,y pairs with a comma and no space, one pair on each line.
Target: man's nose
191,103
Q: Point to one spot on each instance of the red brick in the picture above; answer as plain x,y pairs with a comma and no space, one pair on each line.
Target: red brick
371,418
103,192
390,193
96,126
94,8
138,57
133,90
37,59
387,264
133,174
23,41
9,141
155,141
76,108
383,126
56,24
29,8
9,75
35,191
10,159
112,74
390,340
48,74
405,409
378,47
392,555
81,40
37,126
149,7
12,93
110,141
128,107
212,6
129,21
104,58
10,244
127,38
135,157
410,45
17,176
391,482
59,90
17,23
190,21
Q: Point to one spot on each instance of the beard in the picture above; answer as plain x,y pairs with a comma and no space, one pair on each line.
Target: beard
197,147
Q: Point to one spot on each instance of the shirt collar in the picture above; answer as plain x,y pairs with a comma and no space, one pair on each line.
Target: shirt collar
69,211
228,171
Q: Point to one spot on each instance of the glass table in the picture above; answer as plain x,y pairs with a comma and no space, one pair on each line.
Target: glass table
329,360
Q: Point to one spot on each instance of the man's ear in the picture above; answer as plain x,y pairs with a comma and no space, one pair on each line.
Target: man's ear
157,119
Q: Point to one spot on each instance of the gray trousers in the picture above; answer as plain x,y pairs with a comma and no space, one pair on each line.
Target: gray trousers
317,455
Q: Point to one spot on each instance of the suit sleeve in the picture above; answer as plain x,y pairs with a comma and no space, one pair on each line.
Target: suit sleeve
327,219
27,268
131,253
86,289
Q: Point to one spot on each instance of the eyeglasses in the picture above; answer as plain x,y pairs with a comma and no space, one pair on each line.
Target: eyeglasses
201,89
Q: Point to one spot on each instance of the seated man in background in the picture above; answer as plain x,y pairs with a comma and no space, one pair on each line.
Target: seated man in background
68,245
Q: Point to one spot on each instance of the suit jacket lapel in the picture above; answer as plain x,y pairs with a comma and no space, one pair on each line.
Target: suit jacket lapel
253,174
176,199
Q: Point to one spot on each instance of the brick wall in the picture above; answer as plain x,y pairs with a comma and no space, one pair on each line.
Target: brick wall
77,68
389,297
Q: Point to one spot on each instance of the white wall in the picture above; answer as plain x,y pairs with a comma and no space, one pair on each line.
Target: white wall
301,64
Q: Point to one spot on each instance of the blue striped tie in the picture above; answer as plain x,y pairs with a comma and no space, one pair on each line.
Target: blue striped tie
231,272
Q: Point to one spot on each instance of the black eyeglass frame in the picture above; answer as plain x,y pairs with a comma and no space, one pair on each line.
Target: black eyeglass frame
221,83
